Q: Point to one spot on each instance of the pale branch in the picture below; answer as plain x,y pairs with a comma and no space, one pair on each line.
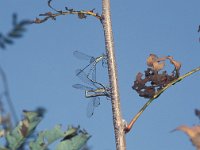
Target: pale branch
112,71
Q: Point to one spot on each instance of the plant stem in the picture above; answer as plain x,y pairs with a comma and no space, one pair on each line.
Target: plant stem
7,95
112,71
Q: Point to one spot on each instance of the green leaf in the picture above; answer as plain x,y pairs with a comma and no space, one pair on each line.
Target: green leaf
19,29
71,131
2,45
73,138
8,40
54,134
46,137
25,128
15,34
74,143
3,148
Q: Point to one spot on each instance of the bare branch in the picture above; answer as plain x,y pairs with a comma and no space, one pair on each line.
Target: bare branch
112,71
82,14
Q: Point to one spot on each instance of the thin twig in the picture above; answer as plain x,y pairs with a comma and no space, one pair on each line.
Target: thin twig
53,16
130,125
7,95
82,14
112,71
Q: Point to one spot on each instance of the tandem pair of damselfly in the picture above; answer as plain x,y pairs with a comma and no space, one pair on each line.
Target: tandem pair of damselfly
88,75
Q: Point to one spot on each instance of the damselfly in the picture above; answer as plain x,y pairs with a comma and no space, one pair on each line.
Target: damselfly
94,92
92,62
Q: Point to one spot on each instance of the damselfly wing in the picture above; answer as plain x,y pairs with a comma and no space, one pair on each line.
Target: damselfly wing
92,63
93,101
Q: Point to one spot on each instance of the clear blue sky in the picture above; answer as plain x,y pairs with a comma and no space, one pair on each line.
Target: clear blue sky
40,67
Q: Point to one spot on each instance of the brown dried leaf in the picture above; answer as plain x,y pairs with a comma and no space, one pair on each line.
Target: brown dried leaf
193,133
81,15
158,66
37,20
155,80
139,77
2,133
24,128
176,64
151,59
148,92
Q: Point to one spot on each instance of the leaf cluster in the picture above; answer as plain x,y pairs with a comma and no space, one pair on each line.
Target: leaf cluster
154,80
72,139
16,32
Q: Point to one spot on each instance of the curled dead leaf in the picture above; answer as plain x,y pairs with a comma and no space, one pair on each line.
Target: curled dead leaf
139,76
176,64
24,128
158,66
151,59
193,133
154,79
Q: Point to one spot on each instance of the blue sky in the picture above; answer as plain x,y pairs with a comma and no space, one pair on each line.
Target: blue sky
40,67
